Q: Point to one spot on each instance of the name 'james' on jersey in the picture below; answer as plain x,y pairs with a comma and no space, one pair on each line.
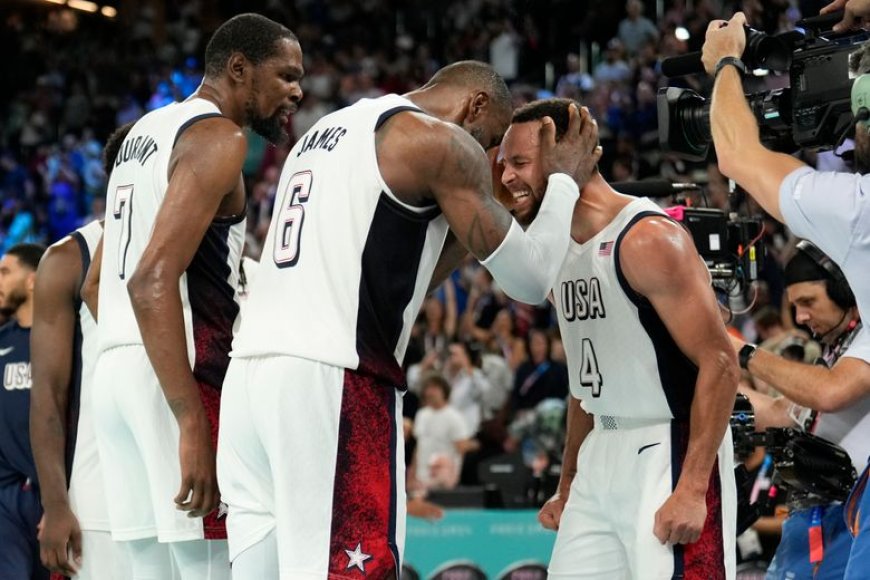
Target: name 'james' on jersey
345,265
136,189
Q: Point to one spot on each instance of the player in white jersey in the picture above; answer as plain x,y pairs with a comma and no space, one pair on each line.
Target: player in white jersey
650,494
169,275
364,205
74,536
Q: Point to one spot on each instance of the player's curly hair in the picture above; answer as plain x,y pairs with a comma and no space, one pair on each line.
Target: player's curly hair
253,35
555,108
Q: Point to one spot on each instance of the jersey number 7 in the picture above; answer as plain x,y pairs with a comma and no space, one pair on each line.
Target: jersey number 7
122,210
291,216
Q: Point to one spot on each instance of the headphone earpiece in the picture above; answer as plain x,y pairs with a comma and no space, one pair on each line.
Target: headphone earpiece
861,100
837,287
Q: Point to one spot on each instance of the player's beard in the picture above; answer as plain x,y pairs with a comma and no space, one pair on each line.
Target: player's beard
269,128
12,301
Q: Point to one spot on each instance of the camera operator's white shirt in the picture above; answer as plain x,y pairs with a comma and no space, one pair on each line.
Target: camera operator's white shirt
832,210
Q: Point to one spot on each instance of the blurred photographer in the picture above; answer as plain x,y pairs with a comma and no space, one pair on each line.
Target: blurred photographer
819,399
830,209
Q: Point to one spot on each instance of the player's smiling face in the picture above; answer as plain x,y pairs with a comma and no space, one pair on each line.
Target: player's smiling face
275,91
522,176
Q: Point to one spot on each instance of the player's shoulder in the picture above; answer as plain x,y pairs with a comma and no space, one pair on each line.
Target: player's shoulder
657,252
417,132
64,253
655,236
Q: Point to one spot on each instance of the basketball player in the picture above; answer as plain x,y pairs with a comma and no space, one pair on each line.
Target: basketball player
651,495
19,489
167,297
75,537
310,455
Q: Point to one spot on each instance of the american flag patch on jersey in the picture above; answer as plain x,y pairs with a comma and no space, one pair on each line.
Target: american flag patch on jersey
605,248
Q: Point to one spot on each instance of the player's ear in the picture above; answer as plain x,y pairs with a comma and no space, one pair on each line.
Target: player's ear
238,67
477,106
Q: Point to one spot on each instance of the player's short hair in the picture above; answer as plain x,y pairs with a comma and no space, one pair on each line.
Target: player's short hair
113,145
253,35
555,108
475,74
438,381
28,254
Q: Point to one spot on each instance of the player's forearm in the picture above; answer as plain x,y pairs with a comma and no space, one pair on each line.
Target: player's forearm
580,423
48,435
715,391
807,385
157,304
526,263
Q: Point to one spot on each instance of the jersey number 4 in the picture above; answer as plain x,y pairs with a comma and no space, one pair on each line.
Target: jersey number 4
589,375
123,210
291,216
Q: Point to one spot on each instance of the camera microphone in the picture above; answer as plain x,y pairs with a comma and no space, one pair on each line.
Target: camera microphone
685,64
653,188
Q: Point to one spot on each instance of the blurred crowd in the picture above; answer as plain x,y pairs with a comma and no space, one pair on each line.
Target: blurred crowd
490,372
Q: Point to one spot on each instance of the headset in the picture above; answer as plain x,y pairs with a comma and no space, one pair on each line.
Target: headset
861,100
836,285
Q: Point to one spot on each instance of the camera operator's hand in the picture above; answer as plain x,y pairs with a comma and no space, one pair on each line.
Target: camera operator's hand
855,12
724,38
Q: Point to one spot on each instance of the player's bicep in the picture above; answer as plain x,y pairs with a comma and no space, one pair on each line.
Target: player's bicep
463,188
206,171
660,262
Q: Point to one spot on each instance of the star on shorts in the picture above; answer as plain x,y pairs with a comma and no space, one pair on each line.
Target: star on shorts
356,558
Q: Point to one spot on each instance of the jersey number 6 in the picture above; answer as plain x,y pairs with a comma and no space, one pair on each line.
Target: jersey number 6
291,216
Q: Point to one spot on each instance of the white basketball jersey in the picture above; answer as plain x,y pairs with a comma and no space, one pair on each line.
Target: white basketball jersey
208,288
345,265
622,360
86,492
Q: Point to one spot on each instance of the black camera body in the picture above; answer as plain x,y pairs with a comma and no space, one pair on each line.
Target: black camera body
813,112
730,246
806,465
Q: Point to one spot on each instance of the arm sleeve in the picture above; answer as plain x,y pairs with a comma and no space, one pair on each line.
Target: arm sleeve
825,208
525,265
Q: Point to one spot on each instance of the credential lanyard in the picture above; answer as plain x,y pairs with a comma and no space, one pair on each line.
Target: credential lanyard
817,542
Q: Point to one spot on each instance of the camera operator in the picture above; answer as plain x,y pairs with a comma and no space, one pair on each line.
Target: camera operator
830,209
814,399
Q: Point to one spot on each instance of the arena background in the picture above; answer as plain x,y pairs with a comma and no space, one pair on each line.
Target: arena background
73,70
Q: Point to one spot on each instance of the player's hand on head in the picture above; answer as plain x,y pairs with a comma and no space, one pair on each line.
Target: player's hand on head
60,541
577,152
681,519
550,514
199,494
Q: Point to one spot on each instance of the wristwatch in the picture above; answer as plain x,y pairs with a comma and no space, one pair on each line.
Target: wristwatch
732,61
745,355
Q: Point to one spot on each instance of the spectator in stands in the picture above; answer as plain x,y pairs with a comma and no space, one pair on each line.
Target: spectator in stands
442,439
635,30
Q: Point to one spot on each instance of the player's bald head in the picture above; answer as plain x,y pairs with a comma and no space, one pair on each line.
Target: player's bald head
475,75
